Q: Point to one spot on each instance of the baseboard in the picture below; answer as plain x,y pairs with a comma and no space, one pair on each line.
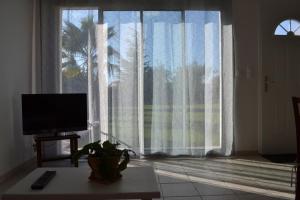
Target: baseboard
246,153
26,166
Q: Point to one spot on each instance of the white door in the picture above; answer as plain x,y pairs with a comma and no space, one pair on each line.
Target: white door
281,81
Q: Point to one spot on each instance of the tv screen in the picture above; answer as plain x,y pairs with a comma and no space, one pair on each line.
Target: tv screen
53,113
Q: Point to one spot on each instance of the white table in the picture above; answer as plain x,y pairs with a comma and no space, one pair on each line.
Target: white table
73,184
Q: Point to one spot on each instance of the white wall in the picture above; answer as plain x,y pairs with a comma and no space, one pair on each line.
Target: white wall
15,63
246,29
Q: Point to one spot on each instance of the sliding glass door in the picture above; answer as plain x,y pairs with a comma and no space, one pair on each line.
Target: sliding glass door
153,78
78,54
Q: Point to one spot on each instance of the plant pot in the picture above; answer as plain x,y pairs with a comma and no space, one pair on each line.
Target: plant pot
104,169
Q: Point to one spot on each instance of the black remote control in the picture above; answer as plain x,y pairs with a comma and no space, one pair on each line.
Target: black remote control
43,180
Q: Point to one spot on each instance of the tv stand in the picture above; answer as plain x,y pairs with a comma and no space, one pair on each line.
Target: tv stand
73,147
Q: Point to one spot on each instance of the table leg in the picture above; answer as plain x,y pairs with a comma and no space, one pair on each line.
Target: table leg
39,153
75,150
72,150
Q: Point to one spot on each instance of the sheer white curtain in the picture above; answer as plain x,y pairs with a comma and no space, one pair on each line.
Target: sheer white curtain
166,98
186,63
123,76
157,81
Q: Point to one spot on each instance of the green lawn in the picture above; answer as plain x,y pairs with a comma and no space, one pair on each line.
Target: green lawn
164,120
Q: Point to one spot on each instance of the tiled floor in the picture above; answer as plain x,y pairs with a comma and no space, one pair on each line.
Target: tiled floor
244,178
247,178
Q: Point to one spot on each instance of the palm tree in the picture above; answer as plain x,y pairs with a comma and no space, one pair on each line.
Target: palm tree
79,62
78,45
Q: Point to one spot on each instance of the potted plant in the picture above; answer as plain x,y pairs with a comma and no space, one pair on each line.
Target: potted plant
105,160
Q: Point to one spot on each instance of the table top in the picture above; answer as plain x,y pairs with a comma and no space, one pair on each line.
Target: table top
73,184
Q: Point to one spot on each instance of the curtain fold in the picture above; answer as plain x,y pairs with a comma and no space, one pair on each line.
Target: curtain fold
158,81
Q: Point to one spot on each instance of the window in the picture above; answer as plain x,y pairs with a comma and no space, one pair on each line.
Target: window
154,77
289,27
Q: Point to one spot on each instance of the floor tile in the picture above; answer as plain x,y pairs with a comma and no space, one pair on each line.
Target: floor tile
183,198
220,197
131,199
205,189
256,197
239,192
178,189
169,168
169,179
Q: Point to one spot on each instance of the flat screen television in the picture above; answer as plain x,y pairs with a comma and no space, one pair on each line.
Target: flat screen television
53,113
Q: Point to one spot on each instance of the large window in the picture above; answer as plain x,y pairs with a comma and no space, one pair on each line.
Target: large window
153,78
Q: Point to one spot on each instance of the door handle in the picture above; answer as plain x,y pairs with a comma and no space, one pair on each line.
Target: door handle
266,83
